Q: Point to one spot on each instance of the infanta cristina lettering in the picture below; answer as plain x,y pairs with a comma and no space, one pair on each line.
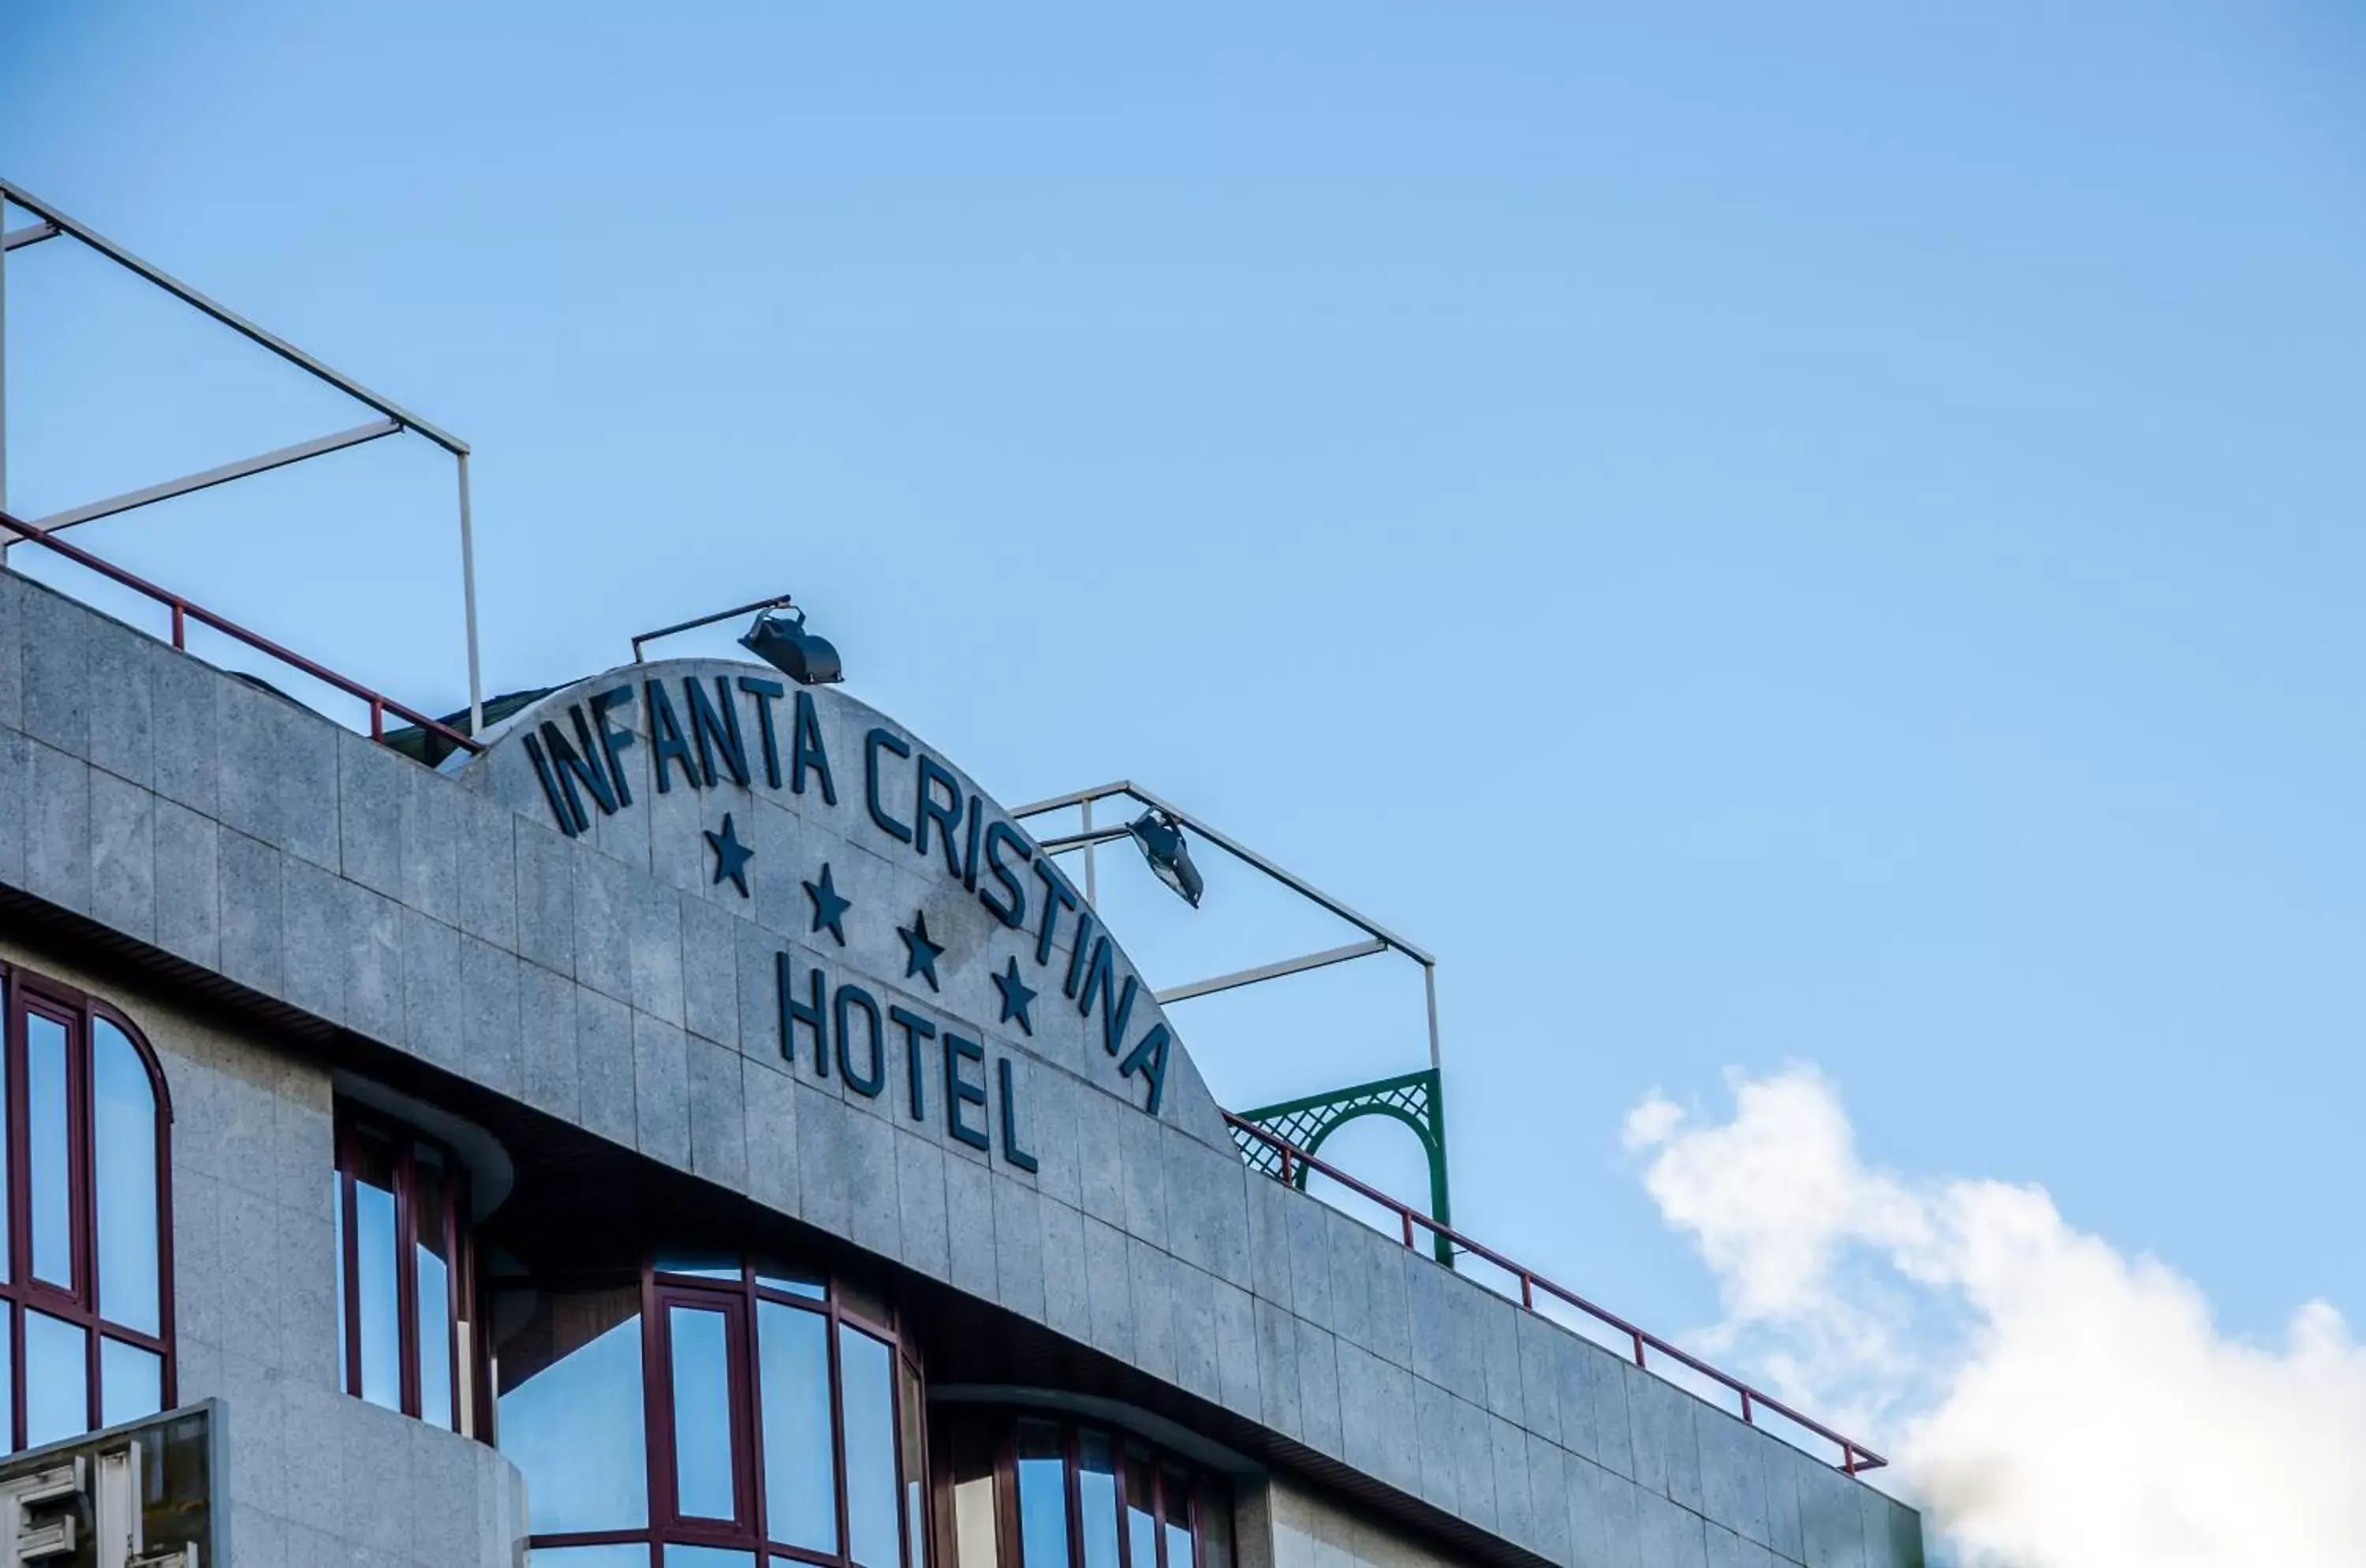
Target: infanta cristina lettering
916,804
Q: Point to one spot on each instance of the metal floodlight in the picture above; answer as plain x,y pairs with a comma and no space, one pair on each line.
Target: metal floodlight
807,657
1161,837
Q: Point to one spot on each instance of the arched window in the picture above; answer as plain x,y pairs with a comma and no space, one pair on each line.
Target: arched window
712,1414
406,1273
85,1278
1038,1489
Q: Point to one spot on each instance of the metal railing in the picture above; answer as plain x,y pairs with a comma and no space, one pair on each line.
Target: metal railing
183,611
1855,1458
395,419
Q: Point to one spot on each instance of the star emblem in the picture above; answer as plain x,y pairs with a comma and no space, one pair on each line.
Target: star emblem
1014,998
731,856
920,955
828,908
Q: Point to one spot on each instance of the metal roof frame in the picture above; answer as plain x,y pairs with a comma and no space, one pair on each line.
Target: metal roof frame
1378,938
393,418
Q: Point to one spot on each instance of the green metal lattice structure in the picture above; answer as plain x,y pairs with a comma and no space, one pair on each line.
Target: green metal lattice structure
1417,1099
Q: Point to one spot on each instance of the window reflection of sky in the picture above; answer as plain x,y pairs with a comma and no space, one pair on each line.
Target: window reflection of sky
702,1414
708,1557
575,1431
1142,1527
130,1382
616,1432
867,1369
56,1393
124,1163
52,1191
381,1325
632,1555
1042,1496
83,1253
433,1276
800,1455
1097,1498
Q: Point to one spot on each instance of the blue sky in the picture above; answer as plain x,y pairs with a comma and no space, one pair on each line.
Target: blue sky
1824,536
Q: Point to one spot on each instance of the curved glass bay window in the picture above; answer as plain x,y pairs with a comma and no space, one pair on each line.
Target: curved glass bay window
85,1280
711,1415
1024,1490
406,1282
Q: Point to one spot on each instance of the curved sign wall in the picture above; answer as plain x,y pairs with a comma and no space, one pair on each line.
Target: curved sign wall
924,939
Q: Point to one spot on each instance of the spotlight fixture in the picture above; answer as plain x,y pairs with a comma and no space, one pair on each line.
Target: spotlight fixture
807,657
1161,837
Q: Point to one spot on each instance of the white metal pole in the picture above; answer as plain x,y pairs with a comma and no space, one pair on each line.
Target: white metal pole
4,385
1429,984
1092,888
468,605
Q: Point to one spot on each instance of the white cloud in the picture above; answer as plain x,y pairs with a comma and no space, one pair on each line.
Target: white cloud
2050,1402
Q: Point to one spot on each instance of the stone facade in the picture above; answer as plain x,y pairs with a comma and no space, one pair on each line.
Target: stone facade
315,1477
257,843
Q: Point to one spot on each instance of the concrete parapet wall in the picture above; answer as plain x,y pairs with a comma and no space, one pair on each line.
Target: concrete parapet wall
1280,1525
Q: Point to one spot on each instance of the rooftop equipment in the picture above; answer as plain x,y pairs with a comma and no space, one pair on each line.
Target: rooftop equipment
393,418
808,657
1161,838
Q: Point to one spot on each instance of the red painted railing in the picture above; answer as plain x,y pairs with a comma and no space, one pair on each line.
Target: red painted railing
183,611
1854,1456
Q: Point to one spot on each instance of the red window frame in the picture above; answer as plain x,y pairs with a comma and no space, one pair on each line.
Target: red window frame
27,993
740,1299
998,1427
467,1382
665,1517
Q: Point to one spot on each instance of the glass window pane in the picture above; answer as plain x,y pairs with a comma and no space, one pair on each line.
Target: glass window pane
1141,1524
57,1380
866,1370
51,1189
337,1220
123,1106
7,1372
800,1451
699,1265
7,1121
130,1382
432,1252
631,1555
571,1406
916,1466
976,1533
1175,1505
792,1281
701,1413
1097,1497
1042,1496
378,1300
707,1557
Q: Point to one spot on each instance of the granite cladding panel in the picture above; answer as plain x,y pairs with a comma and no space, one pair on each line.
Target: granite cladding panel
1067,1306
123,855
313,1475
14,767
238,830
12,654
122,709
